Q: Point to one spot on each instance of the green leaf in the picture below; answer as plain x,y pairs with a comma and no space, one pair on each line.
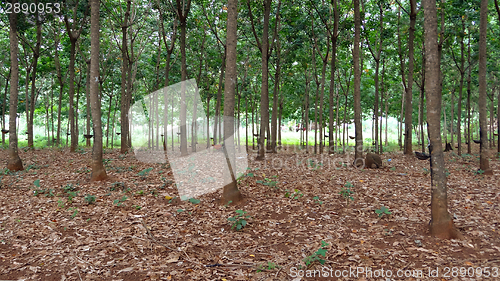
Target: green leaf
321,252
194,200
37,183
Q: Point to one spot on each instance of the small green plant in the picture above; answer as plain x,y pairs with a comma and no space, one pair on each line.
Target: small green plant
69,187
90,199
60,203
32,166
316,200
382,211
172,199
227,204
36,183
347,193
119,202
139,193
137,207
194,200
50,193
316,256
71,195
75,212
268,182
295,195
239,221
393,169
269,266
144,173
478,172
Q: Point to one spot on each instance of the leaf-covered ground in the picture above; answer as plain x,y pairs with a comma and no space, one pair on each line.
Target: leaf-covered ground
137,229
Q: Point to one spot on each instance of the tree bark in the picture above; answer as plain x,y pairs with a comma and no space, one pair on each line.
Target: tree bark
34,94
358,153
182,13
98,171
441,223
409,95
14,163
230,192
484,163
73,34
124,87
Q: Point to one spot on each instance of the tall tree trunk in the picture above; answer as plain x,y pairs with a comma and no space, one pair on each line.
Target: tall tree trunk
4,104
400,131
306,115
274,116
61,81
332,144
409,95
468,100
460,89
34,94
124,87
88,109
219,99
182,12
264,96
73,34
230,192
441,223
14,163
484,163
98,171
358,153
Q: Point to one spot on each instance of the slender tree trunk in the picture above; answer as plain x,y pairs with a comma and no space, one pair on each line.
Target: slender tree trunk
71,70
409,95
441,223
468,101
34,94
219,99
98,171
452,117
386,117
482,104
264,97
400,132
358,152
14,163
274,116
87,92
107,123
183,11
230,192
124,93
306,114
4,104
332,144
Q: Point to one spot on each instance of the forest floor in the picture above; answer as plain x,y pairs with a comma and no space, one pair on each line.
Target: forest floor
137,229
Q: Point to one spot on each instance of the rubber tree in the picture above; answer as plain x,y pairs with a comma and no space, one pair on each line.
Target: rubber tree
358,154
73,34
98,171
14,163
484,163
230,192
441,224
182,13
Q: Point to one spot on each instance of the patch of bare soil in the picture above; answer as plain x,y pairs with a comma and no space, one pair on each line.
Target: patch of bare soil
137,229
